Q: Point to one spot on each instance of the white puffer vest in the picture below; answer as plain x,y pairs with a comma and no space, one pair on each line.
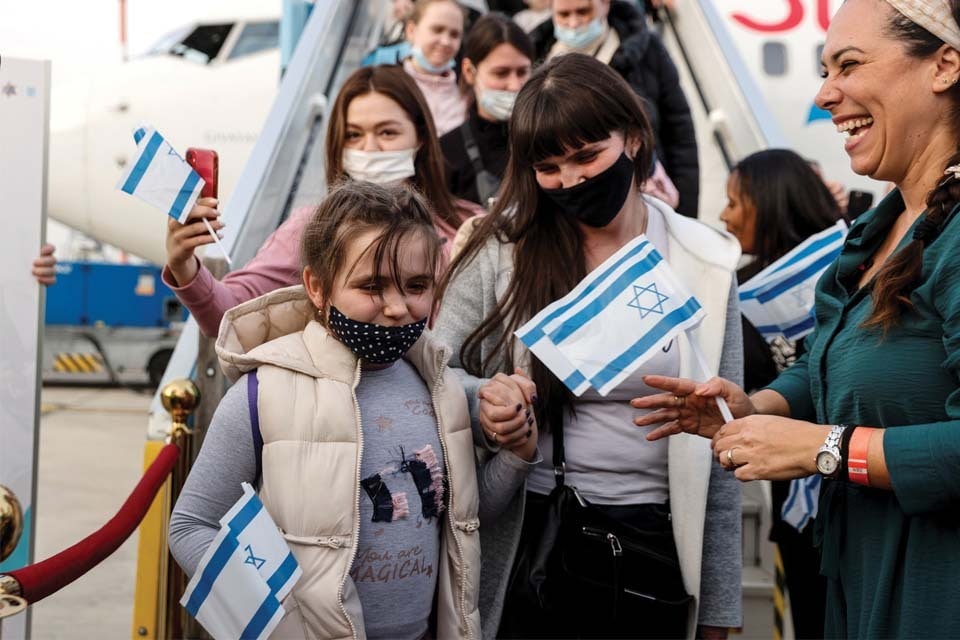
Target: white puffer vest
312,446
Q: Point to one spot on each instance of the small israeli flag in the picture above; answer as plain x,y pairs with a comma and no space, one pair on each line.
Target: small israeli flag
778,301
802,503
622,313
245,573
160,177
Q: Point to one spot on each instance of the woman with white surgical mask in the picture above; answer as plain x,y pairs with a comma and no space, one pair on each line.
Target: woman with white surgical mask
380,130
434,31
497,58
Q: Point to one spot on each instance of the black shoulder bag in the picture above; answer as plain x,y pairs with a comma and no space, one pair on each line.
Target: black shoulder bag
597,576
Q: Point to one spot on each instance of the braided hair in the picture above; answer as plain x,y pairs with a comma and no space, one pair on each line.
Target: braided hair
899,275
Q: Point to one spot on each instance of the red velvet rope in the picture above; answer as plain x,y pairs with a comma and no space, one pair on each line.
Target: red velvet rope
39,580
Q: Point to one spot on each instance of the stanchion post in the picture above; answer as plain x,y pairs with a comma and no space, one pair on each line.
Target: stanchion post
180,398
11,527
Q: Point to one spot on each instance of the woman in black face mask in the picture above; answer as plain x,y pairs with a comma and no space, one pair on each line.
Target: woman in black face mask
580,148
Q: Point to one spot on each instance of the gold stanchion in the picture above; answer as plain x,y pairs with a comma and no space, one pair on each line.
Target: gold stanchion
180,398
11,528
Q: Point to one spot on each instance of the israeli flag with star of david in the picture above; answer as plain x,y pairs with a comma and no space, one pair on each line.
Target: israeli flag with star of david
160,177
622,313
244,575
778,301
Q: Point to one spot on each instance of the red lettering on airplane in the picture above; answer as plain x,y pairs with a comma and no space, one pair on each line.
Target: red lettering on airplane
823,14
794,18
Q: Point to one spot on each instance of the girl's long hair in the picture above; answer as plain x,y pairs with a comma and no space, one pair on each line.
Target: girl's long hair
570,101
790,200
395,83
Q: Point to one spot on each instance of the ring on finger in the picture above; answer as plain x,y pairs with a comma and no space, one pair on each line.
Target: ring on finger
681,401
730,457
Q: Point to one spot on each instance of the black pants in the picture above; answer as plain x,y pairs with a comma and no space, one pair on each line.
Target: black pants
578,617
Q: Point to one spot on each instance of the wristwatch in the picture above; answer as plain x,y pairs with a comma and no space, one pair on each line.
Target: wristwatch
828,457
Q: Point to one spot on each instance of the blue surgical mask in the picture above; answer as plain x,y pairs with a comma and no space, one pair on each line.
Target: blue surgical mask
499,104
579,37
425,64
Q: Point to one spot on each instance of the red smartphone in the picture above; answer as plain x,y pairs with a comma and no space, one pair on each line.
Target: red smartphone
206,163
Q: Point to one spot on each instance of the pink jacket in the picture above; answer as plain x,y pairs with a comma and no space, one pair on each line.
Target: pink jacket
276,265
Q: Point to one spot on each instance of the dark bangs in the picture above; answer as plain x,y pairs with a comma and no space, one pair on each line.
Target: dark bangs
557,110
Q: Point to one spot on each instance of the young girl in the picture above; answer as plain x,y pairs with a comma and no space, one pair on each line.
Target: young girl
434,32
497,57
357,435
381,131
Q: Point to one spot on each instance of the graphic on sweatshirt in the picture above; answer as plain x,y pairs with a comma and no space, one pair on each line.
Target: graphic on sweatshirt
427,475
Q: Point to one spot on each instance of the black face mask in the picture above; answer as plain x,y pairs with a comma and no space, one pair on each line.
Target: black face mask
374,342
597,201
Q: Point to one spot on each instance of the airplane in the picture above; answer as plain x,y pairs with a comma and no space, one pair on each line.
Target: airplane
211,84
208,84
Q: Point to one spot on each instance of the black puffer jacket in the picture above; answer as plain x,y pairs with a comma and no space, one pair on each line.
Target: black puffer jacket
643,61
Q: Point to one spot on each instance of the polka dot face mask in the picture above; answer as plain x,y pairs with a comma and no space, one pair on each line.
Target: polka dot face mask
374,342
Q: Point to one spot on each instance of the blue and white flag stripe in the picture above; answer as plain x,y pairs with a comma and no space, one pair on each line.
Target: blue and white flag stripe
802,503
244,575
779,300
160,176
612,321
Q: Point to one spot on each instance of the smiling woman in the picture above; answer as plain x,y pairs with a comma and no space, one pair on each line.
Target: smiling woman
873,406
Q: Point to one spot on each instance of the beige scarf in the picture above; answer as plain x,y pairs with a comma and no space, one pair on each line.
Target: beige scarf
933,15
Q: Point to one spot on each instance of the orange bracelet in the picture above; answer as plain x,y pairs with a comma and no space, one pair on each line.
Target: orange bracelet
857,455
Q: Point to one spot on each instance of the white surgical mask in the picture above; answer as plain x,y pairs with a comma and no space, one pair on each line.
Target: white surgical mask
379,167
498,104
579,37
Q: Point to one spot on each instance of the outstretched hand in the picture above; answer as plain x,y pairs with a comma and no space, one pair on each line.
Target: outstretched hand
688,406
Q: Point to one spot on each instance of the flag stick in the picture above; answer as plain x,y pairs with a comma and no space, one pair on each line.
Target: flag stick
705,372
216,239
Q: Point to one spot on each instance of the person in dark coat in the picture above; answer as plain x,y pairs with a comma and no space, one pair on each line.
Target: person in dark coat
497,59
620,38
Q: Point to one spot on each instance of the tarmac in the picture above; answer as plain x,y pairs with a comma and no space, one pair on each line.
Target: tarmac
91,457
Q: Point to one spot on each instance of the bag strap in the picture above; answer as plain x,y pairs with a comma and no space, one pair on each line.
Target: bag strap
483,179
559,462
253,386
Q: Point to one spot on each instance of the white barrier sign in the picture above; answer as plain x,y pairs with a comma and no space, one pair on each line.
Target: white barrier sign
24,121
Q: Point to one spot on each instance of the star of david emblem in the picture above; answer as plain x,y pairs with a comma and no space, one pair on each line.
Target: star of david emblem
647,300
802,294
252,559
9,90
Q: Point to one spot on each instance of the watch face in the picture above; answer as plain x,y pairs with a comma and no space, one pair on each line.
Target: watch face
827,463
